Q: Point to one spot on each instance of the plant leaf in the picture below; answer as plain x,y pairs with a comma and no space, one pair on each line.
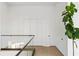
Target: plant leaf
65,18
69,27
67,8
75,10
64,13
76,33
71,4
69,34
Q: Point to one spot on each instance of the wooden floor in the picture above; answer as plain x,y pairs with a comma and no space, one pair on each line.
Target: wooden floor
46,51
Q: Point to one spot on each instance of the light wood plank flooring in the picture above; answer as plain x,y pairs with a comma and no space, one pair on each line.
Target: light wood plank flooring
47,51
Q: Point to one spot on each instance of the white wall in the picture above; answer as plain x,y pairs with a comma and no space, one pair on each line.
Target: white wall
3,12
41,19
30,19
58,29
76,24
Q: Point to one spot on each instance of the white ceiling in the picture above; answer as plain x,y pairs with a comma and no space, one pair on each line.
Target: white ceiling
33,3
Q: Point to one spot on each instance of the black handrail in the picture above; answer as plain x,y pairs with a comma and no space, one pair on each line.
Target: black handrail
17,35
26,49
24,46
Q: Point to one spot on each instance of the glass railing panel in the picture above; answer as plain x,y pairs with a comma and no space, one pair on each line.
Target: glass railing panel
14,45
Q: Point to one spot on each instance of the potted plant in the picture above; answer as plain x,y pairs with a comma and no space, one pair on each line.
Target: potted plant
71,31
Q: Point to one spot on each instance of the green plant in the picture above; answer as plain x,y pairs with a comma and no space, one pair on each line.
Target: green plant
71,31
